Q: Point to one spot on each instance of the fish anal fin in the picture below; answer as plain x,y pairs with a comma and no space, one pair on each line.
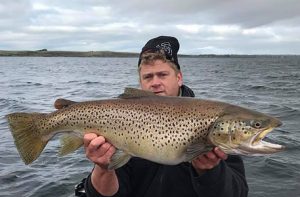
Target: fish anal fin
195,150
135,93
118,159
69,143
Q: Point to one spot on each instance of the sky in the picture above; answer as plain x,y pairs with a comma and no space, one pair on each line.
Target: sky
201,26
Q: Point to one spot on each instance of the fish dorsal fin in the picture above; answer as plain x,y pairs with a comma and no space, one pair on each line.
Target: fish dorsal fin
63,103
135,93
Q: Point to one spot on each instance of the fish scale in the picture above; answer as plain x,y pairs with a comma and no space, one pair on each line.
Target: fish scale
166,130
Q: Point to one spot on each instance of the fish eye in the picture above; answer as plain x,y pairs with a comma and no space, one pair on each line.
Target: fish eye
256,124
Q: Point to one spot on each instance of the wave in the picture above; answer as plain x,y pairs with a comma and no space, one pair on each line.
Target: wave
25,84
273,86
84,82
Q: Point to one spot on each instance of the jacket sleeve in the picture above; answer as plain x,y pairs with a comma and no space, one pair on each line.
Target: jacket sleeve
225,180
124,184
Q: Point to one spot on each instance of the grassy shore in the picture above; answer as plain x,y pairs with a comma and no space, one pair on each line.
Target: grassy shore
46,53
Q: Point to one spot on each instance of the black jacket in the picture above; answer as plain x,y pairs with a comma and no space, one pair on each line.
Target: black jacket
143,178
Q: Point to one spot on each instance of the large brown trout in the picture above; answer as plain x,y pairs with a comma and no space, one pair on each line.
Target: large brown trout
166,130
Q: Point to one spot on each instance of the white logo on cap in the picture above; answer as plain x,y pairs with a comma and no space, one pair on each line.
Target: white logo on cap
166,46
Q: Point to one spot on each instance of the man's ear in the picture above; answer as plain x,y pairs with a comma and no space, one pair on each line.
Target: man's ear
179,79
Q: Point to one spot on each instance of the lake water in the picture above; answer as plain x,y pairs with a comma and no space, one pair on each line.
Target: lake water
32,84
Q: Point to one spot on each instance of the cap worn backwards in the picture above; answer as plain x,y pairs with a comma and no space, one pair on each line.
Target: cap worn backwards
168,44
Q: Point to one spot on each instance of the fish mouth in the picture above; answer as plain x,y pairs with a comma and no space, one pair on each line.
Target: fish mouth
258,145
258,138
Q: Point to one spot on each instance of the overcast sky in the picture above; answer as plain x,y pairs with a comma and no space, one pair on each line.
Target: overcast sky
202,26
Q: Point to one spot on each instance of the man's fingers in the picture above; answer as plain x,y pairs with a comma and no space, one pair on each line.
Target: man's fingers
110,151
220,153
97,149
211,156
96,143
203,163
209,160
87,138
102,156
102,149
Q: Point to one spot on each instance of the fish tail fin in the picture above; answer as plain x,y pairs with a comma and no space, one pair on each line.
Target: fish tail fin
28,138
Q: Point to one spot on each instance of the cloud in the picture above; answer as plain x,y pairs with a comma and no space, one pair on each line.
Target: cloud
13,14
10,8
257,13
206,26
246,13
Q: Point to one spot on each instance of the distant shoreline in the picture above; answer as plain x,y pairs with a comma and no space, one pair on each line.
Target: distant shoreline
46,53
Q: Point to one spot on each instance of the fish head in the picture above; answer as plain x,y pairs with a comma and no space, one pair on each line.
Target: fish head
241,131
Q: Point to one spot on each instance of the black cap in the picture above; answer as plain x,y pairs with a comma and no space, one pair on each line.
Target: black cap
168,44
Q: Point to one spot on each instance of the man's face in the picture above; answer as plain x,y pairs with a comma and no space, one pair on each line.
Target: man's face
160,78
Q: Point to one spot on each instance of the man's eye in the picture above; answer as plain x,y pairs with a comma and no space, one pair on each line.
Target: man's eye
147,77
163,74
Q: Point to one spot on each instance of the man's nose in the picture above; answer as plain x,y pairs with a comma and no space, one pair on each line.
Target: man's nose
155,81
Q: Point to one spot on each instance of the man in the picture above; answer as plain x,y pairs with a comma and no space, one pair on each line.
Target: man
210,174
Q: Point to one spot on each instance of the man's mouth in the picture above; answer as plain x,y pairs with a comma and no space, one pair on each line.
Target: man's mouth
159,92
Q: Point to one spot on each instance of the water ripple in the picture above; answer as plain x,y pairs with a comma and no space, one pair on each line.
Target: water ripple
270,85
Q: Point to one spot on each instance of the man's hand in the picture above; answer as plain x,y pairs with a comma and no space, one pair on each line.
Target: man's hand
98,150
208,160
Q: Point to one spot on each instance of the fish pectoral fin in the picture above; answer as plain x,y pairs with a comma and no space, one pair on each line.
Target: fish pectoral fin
118,159
69,143
135,93
195,150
